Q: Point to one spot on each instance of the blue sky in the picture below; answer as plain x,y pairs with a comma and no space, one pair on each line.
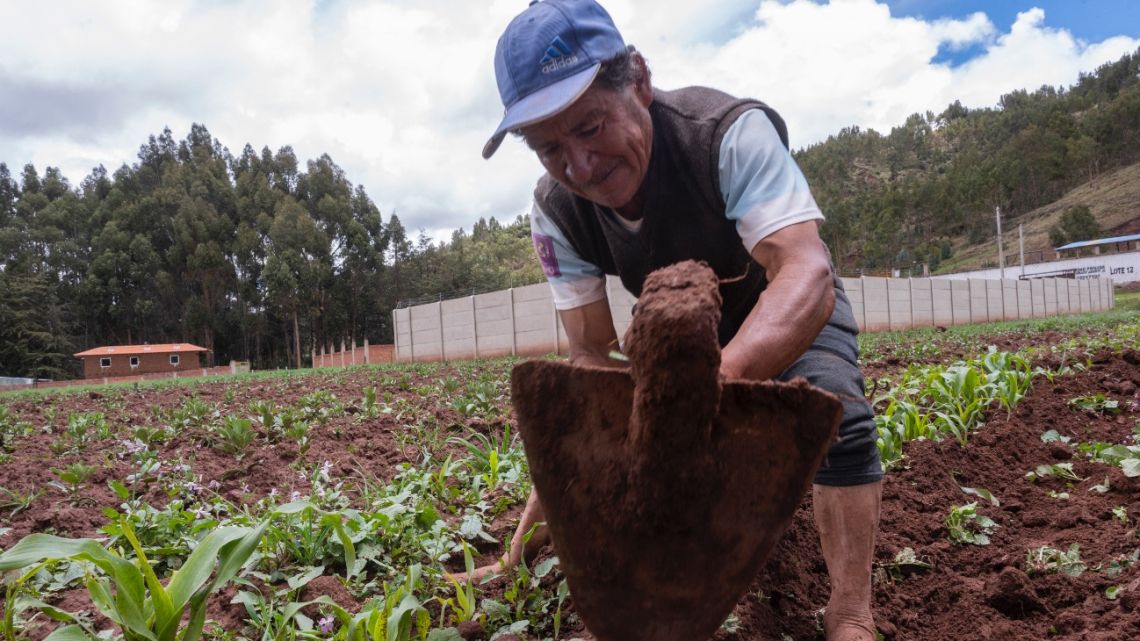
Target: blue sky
401,93
1089,20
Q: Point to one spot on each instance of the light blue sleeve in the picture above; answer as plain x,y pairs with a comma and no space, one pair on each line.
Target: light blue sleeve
573,281
762,186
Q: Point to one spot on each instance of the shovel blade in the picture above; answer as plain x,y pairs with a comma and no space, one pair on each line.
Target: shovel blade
664,552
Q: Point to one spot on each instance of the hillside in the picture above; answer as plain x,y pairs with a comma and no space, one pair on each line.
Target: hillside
1114,199
924,193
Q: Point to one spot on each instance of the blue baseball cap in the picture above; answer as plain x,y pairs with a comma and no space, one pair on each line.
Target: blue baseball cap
547,58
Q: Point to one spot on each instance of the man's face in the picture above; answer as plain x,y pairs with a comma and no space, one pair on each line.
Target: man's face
599,147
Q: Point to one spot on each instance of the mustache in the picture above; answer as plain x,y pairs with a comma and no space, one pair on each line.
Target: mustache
596,178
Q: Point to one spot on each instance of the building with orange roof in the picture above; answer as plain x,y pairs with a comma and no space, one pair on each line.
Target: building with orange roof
131,360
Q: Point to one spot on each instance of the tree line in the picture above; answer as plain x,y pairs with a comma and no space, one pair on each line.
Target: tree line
258,257
255,257
931,184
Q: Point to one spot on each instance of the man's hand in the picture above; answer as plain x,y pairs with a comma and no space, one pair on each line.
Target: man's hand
520,548
590,330
792,310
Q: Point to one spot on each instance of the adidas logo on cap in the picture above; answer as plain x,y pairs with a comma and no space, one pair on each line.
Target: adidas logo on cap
558,56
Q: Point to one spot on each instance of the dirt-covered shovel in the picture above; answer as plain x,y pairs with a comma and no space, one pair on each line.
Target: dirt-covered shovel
665,488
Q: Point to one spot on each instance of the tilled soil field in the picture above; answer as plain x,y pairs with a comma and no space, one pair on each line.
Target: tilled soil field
1028,582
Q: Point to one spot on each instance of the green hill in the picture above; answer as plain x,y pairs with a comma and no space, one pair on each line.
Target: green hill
925,192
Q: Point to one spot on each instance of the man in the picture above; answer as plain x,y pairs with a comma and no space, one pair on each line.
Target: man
638,178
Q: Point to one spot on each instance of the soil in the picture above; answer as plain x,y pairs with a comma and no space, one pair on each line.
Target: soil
970,592
985,592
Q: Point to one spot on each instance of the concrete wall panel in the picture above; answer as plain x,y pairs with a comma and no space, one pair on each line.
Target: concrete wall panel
979,309
960,301
853,287
995,306
921,303
876,303
1024,299
898,301
940,294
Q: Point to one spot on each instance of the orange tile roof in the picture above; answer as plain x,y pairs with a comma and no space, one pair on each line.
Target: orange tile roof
164,348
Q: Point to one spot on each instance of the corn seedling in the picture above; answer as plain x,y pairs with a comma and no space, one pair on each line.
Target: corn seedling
130,594
464,604
965,525
1048,560
17,501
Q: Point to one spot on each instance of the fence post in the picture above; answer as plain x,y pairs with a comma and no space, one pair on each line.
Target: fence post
514,336
442,349
890,321
396,334
412,334
863,293
557,346
474,326
933,322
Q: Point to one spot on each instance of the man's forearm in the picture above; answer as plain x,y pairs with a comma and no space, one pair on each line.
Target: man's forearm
785,321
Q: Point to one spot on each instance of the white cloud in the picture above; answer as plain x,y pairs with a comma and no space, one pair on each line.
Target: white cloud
401,93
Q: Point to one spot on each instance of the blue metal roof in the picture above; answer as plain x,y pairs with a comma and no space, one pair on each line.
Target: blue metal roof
1102,241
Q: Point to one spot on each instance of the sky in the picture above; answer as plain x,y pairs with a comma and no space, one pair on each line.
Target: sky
401,93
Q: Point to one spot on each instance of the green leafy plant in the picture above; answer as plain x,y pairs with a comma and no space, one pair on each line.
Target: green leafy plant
1046,560
72,478
234,435
965,525
397,615
1058,470
905,563
983,494
1096,403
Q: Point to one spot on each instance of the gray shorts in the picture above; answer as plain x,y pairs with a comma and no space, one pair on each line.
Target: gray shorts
832,364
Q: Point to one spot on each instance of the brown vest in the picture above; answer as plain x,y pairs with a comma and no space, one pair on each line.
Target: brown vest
683,216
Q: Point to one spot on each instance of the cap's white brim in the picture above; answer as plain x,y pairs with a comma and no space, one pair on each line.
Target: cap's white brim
542,104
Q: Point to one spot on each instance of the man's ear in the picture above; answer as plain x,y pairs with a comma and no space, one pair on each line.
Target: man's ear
642,86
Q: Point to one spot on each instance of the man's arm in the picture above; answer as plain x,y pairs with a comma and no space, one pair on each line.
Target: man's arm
590,330
790,312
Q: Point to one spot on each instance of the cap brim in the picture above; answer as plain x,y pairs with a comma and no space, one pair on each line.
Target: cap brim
542,104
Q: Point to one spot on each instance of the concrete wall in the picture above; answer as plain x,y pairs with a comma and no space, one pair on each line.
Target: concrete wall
522,321
884,304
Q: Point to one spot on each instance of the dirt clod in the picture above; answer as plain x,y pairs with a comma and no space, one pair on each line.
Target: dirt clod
1013,595
472,631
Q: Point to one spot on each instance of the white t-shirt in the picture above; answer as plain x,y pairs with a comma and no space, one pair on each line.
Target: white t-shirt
763,189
